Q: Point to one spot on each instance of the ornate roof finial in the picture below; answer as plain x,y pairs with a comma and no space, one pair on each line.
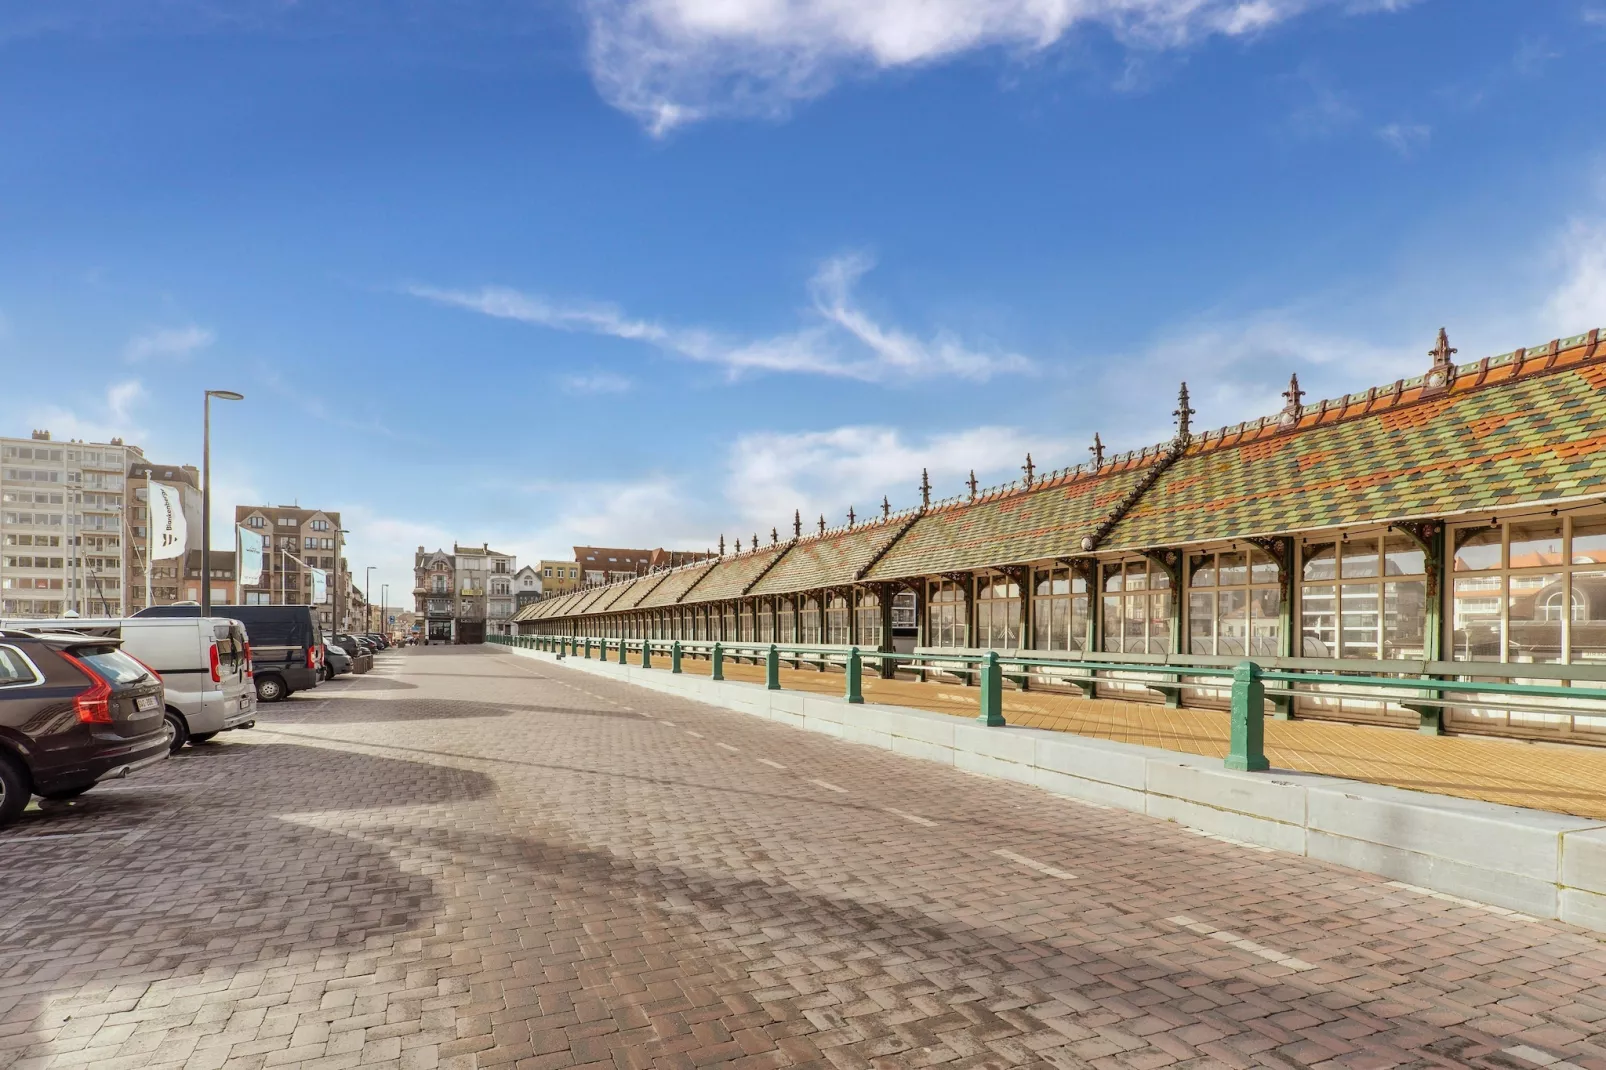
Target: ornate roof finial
925,490
1442,352
775,537
797,523
886,507
755,541
1295,407
1028,468
971,483
1183,414
1097,450
851,518
722,546
738,544
822,523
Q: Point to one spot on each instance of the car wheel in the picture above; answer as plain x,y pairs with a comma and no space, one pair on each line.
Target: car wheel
66,793
200,737
177,733
14,793
270,689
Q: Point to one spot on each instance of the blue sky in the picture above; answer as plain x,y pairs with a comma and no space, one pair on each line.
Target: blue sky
648,271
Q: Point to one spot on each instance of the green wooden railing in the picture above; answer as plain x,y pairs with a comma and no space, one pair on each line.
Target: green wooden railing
1427,688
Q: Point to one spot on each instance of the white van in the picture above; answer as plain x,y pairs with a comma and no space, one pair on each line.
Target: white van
204,663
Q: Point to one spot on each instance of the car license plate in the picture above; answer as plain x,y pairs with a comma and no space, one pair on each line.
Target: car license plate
245,702
145,702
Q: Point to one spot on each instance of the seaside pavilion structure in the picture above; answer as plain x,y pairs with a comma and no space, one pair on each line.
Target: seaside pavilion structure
1456,516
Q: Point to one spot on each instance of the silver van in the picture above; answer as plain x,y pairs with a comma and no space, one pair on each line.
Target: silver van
204,663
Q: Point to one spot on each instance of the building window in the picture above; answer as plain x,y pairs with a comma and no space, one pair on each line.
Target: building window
836,620
869,619
1234,604
810,623
997,612
1527,591
1059,611
766,622
786,623
1364,596
547,572
320,525
1137,608
945,615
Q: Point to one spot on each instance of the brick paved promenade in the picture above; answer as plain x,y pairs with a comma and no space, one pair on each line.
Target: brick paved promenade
468,859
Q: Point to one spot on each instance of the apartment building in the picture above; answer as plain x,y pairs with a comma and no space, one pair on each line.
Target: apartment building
600,564
298,540
559,577
62,526
464,595
526,586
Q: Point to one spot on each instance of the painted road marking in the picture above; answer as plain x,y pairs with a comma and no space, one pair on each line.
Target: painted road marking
1540,1058
694,735
916,818
727,746
827,785
1033,864
1261,950
671,724
772,765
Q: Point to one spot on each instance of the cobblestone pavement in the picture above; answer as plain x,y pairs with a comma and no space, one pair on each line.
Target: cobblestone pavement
469,859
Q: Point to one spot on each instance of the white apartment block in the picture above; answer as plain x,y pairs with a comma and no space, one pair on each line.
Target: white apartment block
63,526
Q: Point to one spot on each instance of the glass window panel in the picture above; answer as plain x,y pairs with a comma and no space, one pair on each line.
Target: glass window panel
1202,570
1234,569
1405,605
1588,615
1078,584
1536,603
1319,562
1358,605
1319,621
1201,622
1159,579
1589,541
1265,622
1044,585
1402,556
1076,632
1061,624
1137,576
1137,614
1232,621
1479,549
1112,623
1477,602
1536,545
1359,558
1112,577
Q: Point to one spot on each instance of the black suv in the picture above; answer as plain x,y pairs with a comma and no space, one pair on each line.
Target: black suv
74,710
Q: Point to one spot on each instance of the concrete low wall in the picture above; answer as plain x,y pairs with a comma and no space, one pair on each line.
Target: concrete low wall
1530,861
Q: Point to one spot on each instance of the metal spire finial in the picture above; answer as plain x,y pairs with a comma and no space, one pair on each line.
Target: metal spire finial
738,545
822,523
1097,450
851,518
1295,398
925,489
1028,468
722,546
886,507
1442,352
797,523
755,540
971,483
1183,414
775,537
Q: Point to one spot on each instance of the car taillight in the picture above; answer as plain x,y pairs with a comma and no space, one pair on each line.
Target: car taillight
93,706
312,658
217,667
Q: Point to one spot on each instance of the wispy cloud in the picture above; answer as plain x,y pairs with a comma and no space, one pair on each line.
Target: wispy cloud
672,62
597,383
1405,138
841,339
112,416
168,342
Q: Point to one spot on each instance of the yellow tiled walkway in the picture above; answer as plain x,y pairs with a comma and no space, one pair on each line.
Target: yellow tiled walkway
1564,779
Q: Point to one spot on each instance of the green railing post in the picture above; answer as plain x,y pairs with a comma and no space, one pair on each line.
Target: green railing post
674,656
992,692
855,674
1247,749
646,653
623,652
718,658
772,668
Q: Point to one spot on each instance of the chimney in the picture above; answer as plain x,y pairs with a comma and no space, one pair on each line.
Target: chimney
41,436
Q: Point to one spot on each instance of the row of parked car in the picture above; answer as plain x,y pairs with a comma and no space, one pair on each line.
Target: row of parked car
85,700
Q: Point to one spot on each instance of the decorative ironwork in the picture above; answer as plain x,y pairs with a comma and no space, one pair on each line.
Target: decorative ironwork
851,518
775,537
1184,415
722,546
1028,468
1169,560
886,508
1019,575
797,523
738,544
1426,534
925,490
971,483
1097,450
822,523
755,541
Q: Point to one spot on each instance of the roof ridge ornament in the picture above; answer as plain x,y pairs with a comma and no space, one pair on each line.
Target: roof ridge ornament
1295,407
1184,416
775,537
1097,450
1028,468
822,523
1442,374
925,490
971,483
797,523
722,545
851,518
886,508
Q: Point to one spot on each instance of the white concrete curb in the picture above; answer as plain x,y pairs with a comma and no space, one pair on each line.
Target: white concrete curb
1530,861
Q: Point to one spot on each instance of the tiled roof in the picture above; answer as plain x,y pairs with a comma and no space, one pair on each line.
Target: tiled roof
828,560
675,584
1013,526
636,590
731,575
1500,436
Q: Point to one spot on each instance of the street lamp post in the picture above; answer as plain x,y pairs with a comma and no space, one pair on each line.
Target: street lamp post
368,599
206,495
384,600
339,622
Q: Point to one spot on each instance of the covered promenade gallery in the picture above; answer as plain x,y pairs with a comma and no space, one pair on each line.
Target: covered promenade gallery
1456,516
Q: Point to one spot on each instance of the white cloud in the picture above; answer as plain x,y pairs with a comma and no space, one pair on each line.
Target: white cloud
1578,302
1405,138
597,383
670,62
842,339
168,342
111,417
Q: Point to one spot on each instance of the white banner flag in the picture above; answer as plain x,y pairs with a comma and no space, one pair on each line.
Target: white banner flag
252,547
168,533
320,586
